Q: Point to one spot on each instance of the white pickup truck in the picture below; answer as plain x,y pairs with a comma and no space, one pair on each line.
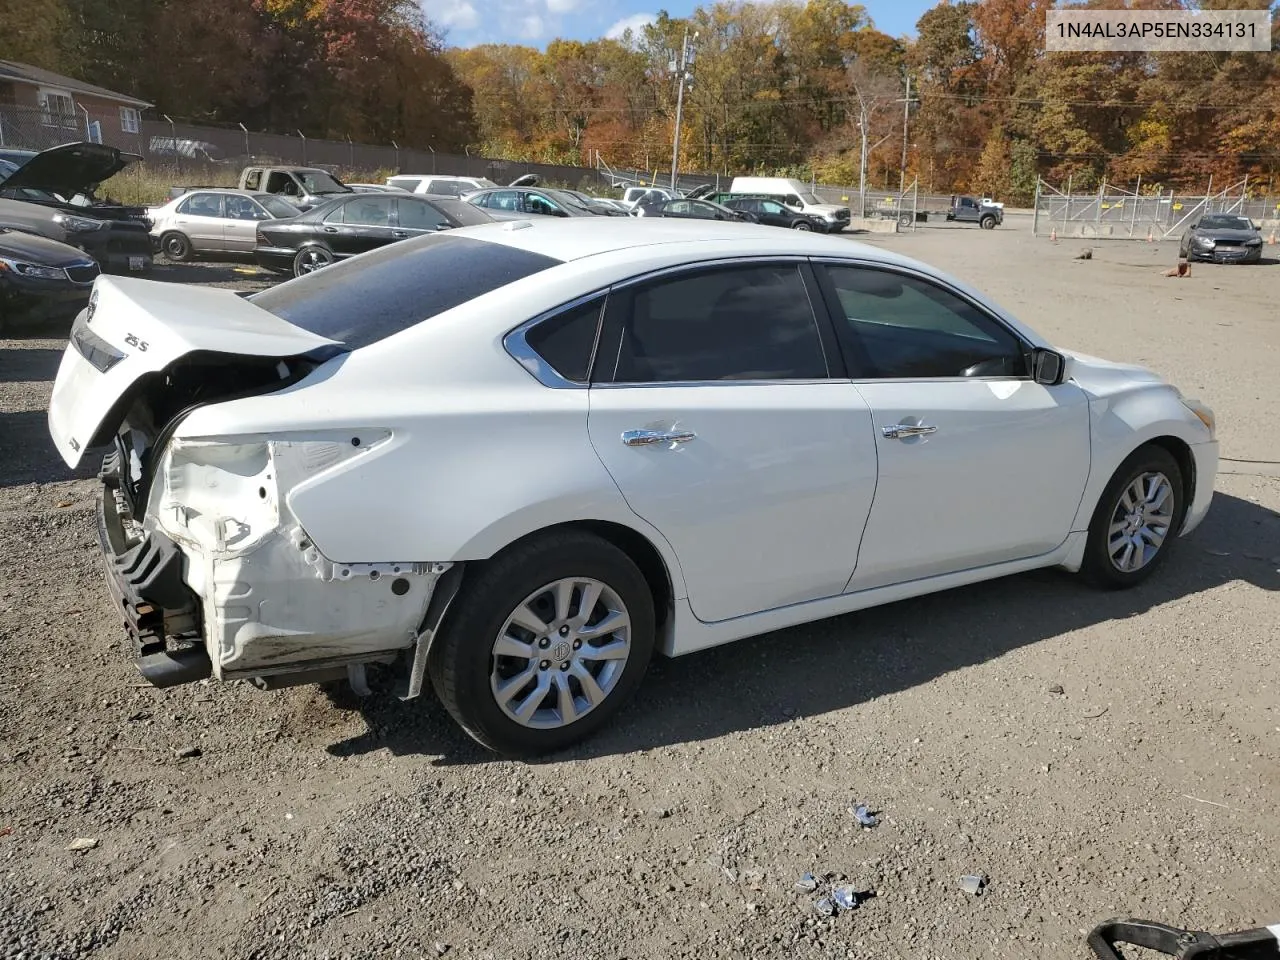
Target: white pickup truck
302,186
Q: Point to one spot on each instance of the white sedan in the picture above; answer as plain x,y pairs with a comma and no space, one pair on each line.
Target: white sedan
519,459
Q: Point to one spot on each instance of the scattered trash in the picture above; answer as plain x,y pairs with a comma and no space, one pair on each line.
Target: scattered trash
1183,269
288,816
973,884
5,831
66,503
825,907
1095,713
730,875
863,815
1056,688
808,883
1212,803
187,753
441,948
845,898
81,843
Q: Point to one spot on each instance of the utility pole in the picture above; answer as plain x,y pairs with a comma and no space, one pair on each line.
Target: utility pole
681,64
906,115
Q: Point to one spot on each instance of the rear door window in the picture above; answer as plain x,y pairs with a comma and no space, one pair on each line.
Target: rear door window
420,215
368,298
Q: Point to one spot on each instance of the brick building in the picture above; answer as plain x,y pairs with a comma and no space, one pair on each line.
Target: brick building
41,109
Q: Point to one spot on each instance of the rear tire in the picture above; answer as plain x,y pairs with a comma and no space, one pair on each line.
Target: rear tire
310,259
177,247
518,587
1124,515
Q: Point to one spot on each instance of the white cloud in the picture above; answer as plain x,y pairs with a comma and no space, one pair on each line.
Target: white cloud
454,14
561,6
635,23
532,27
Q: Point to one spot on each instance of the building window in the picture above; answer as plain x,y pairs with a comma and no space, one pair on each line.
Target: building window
130,121
58,108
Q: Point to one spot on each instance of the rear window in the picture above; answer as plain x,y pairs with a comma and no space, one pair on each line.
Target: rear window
373,296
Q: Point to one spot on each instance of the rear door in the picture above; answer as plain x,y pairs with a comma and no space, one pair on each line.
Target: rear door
366,224
978,463
201,217
721,415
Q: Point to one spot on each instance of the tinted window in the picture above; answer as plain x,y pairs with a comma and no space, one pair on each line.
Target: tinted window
566,341
369,211
904,327
739,323
419,215
462,212
280,182
202,205
769,206
336,213
445,188
277,207
362,300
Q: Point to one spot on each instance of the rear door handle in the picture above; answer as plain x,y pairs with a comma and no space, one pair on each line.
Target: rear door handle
900,431
644,438
399,234
330,229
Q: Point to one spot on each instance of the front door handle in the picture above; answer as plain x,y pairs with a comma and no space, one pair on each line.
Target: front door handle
399,234
644,438
330,229
900,431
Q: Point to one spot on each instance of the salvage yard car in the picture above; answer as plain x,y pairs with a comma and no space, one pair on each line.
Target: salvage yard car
519,459
214,221
357,224
52,194
41,279
1222,238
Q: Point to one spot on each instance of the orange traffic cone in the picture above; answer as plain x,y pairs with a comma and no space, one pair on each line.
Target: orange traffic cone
1053,234
1272,239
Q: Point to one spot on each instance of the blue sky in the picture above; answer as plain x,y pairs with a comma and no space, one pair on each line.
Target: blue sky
534,22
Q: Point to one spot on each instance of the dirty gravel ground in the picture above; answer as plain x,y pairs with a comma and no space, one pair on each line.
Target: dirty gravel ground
314,825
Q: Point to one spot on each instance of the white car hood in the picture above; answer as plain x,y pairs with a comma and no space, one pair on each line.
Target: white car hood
824,208
1104,378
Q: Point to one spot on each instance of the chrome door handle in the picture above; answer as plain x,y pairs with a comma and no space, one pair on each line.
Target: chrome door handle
900,431
643,438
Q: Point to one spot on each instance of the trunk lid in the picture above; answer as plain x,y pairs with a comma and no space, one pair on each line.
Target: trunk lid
130,342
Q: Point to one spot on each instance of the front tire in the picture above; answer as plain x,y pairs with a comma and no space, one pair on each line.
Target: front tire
987,223
802,226
177,247
544,644
1137,518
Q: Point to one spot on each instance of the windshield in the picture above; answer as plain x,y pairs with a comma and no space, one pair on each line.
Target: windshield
276,207
808,196
1222,222
317,181
388,290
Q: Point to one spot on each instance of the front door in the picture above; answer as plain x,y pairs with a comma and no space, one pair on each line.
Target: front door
978,463
415,217
240,229
719,422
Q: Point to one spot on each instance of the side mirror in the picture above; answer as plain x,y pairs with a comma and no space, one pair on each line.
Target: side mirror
1048,367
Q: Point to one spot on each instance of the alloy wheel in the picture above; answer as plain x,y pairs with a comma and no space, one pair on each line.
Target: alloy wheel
1141,522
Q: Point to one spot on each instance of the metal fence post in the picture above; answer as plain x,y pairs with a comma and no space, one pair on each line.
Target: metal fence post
1035,212
1137,199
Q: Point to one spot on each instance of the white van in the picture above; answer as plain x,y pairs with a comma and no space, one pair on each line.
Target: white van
795,194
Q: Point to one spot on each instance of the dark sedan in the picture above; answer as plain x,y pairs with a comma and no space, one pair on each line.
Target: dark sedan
685,209
355,224
772,213
42,279
1222,238
531,200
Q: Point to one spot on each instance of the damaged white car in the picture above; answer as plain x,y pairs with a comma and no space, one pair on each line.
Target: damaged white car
519,459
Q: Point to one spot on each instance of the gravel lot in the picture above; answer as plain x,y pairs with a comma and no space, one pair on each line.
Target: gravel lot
1092,754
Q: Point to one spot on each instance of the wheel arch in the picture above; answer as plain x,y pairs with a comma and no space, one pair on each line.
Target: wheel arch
1180,450
664,584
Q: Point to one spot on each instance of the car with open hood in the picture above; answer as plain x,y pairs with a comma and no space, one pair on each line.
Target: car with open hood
52,194
517,460
41,279
1222,238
